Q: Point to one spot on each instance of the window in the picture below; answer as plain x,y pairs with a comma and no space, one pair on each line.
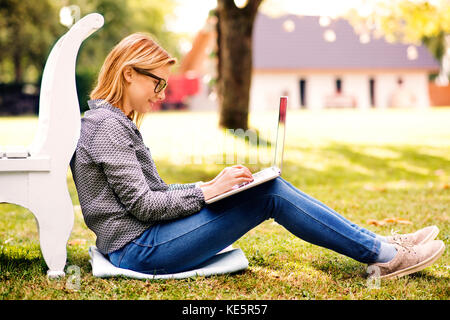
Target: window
302,93
338,85
372,92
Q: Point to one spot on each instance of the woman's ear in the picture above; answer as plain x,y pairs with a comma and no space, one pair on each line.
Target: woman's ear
128,74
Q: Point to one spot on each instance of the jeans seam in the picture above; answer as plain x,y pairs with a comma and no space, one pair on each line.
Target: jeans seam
219,216
371,249
156,245
122,255
142,244
136,242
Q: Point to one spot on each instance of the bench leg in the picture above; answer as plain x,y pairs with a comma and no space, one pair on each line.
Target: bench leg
55,221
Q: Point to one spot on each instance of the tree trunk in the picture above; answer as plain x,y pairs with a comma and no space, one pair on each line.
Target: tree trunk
235,26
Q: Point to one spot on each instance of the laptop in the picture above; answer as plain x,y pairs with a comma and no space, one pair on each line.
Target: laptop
277,162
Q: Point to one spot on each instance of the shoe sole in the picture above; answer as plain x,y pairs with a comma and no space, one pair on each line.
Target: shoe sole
431,236
417,267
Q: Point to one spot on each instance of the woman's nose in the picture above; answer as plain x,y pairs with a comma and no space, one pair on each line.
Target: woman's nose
161,95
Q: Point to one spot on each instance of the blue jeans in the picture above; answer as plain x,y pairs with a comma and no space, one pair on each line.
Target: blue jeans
182,244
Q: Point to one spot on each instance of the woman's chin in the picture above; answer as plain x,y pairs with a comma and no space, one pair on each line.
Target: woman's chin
151,106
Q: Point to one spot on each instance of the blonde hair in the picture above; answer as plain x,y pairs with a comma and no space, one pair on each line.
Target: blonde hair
136,50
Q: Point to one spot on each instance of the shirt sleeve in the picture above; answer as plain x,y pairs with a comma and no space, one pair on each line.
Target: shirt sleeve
112,147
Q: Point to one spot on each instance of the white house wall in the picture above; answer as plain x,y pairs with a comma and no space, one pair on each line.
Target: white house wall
385,84
416,83
357,85
317,86
266,88
420,81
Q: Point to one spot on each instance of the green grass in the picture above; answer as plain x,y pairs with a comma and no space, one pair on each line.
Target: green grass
366,165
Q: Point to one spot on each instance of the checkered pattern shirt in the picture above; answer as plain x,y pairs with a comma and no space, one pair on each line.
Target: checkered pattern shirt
120,191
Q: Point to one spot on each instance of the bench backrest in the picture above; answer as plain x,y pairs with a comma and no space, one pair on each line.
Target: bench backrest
59,112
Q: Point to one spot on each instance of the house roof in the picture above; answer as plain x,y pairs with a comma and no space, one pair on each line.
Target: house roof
305,47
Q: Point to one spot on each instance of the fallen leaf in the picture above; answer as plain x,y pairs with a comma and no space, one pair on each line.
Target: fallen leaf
388,220
76,242
375,222
403,221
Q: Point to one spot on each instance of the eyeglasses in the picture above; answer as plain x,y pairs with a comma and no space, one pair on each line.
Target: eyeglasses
160,86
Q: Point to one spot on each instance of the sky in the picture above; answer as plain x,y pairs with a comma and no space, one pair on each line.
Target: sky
190,16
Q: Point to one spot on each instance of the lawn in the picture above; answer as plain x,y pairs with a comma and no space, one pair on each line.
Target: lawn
372,164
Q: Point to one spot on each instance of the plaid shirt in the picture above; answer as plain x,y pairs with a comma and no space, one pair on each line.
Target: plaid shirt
120,191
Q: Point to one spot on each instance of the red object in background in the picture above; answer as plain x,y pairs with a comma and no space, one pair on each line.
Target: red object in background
178,88
191,85
283,107
439,96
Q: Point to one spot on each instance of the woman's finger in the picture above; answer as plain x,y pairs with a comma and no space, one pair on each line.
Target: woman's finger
239,173
240,167
245,168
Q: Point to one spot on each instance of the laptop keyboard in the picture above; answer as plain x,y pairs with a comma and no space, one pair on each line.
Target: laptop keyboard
260,175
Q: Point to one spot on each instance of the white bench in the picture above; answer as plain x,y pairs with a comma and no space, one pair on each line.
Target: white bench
35,177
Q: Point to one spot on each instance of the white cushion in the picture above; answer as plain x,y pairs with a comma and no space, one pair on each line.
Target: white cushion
224,262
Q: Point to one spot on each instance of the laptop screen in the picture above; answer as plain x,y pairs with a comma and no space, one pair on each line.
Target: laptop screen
281,133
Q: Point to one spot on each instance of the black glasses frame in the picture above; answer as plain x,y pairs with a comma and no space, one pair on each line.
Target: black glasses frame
160,86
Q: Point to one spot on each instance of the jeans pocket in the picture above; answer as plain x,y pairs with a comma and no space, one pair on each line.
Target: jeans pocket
138,257
124,252
141,244
116,257
146,239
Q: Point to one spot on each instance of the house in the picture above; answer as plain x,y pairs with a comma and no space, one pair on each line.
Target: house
321,64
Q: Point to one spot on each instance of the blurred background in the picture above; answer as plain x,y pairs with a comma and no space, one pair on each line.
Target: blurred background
325,54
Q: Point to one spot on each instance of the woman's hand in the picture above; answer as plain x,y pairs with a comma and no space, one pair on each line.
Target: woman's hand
225,180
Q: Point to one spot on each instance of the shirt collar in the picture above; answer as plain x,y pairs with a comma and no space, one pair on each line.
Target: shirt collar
100,103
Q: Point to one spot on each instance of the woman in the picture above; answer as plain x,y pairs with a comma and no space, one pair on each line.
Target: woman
143,224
